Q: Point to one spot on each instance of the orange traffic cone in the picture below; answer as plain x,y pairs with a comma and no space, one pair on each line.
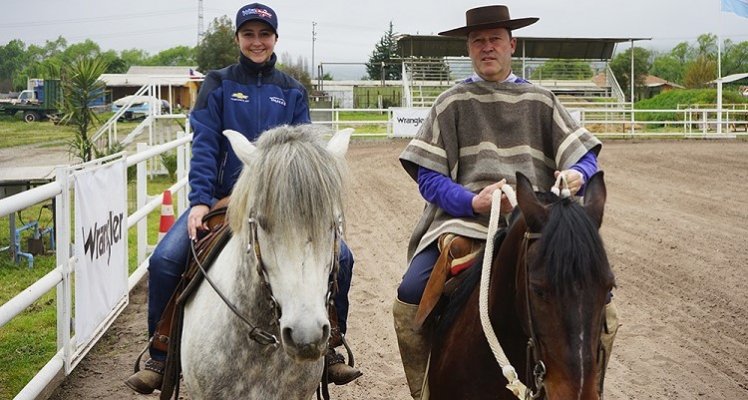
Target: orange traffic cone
167,215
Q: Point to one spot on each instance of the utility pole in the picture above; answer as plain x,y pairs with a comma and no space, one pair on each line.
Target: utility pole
314,38
200,32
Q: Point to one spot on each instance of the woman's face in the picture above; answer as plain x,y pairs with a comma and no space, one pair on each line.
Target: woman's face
256,41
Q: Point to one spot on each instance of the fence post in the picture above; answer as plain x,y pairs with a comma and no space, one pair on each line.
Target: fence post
141,198
62,250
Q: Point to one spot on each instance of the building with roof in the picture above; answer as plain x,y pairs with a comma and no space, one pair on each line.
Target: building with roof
433,63
176,84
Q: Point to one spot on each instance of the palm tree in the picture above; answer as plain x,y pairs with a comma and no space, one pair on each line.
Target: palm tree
81,86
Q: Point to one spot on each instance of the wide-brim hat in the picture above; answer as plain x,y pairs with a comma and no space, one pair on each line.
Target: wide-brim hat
488,17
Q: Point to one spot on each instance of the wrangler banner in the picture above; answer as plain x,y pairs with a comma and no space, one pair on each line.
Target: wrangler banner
100,246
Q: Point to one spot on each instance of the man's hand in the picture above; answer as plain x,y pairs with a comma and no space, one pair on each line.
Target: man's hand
482,200
574,179
195,220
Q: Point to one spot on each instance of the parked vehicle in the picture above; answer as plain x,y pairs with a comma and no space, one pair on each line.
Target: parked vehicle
39,102
139,106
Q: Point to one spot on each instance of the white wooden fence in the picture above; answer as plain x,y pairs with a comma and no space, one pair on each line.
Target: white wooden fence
68,353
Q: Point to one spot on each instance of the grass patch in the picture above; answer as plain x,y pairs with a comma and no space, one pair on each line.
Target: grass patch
14,131
29,340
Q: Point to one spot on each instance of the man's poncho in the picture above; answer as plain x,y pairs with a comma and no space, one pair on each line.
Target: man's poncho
479,133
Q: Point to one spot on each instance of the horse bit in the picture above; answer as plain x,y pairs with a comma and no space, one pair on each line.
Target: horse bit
256,333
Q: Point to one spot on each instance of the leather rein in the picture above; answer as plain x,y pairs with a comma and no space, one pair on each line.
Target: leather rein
256,333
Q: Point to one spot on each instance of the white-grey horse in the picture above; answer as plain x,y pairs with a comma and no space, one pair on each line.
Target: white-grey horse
286,215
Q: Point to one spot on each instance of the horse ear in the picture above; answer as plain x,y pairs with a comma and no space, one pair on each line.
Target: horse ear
535,214
338,144
241,145
594,198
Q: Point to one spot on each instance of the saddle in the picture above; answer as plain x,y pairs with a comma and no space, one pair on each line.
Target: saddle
457,253
169,329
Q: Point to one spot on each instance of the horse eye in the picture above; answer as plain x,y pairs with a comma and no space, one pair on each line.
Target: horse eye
539,292
263,223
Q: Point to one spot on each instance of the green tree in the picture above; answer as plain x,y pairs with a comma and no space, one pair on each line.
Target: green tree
385,52
668,67
621,67
699,72
218,47
81,85
134,57
13,57
734,58
563,69
76,51
179,55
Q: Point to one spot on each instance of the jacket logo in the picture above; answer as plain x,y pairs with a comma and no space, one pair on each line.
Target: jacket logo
239,96
278,100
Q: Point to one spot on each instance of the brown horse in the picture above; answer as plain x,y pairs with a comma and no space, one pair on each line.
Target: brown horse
550,278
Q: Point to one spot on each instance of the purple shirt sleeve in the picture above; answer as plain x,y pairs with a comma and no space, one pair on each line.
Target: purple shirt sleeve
587,166
448,195
457,201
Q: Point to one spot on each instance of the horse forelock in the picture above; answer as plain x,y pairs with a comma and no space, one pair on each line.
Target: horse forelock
293,183
572,249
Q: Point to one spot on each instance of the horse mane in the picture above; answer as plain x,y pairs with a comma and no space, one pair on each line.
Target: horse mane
569,234
291,184
572,248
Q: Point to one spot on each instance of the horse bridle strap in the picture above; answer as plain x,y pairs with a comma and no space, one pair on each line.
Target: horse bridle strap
538,371
260,336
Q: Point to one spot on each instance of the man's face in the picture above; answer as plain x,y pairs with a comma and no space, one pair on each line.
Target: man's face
491,53
256,41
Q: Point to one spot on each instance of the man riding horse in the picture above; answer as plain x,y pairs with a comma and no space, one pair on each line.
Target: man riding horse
477,136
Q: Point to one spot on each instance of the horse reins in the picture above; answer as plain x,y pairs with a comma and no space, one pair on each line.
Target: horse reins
256,333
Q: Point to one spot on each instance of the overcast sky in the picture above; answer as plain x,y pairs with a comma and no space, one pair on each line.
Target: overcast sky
346,31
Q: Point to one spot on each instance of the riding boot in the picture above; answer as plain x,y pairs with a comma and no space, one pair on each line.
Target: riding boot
338,372
147,379
414,346
608,334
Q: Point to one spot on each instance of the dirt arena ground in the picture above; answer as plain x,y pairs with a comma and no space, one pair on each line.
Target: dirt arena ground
676,229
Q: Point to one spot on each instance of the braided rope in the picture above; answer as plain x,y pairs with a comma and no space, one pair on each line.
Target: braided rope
514,385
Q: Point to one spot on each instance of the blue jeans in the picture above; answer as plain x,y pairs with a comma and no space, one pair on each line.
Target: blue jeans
417,275
168,262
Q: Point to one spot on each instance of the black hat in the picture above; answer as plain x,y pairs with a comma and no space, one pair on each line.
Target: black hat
257,12
486,18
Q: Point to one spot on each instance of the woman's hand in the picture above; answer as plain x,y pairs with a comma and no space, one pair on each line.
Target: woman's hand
195,220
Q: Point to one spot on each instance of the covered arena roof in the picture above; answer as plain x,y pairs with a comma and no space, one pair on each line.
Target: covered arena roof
573,48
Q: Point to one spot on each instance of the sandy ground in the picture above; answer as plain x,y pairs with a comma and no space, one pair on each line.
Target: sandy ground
675,229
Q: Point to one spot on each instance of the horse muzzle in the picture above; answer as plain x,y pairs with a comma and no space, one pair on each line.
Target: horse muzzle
305,344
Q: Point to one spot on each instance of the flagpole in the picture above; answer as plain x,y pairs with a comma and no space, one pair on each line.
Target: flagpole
719,71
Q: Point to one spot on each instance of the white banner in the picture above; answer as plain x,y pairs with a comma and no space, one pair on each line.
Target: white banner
407,121
100,240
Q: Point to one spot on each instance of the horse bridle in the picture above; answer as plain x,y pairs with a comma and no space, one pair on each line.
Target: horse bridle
538,369
256,333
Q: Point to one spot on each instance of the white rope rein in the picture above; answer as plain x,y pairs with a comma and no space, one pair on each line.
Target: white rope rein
517,387
560,188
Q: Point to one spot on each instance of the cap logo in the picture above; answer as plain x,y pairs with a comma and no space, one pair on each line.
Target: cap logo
260,12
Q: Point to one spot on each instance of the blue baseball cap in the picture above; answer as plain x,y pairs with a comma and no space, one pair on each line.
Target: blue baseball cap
257,12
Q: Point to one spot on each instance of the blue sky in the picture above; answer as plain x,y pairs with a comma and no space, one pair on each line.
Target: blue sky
346,31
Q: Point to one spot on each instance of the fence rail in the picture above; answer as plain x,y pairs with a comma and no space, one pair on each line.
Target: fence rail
68,354
603,119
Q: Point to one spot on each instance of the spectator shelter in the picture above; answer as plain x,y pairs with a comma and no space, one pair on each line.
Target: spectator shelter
433,63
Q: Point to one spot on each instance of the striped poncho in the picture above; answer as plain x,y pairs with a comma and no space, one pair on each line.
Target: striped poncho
479,133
